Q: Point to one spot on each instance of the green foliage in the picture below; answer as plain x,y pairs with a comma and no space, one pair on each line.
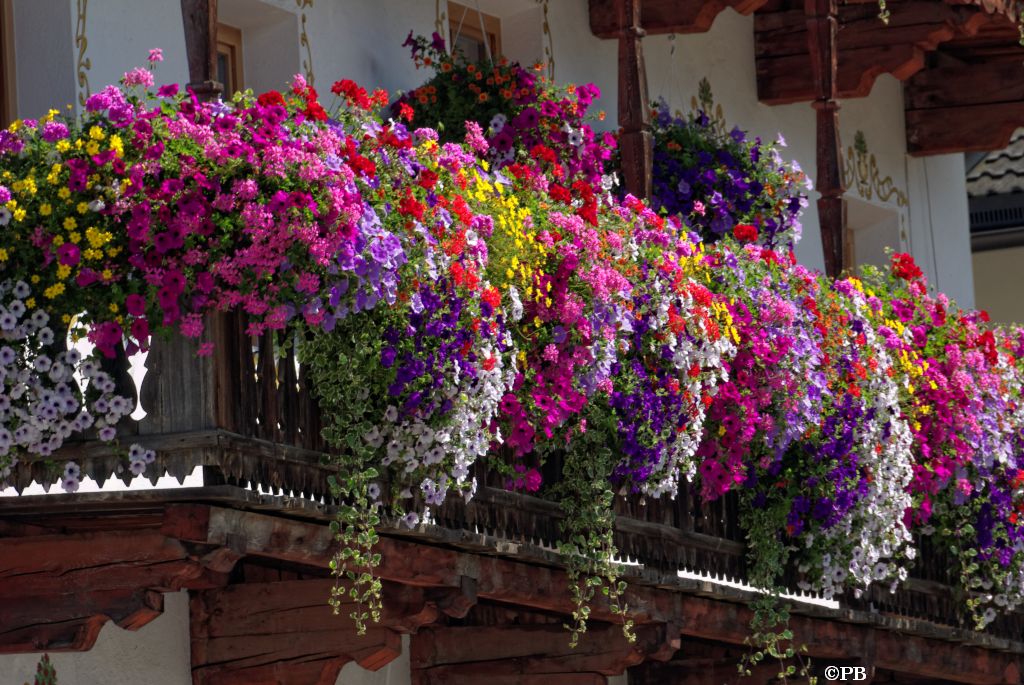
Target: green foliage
588,544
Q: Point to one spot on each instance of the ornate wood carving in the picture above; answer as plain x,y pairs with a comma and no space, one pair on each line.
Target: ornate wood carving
636,144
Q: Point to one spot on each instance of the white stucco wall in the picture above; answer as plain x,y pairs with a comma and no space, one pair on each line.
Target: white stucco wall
156,654
44,59
939,224
120,34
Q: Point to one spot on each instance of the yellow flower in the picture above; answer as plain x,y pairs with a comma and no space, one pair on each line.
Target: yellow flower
58,240
82,207
116,145
107,274
96,133
19,214
63,145
15,125
63,193
34,278
113,308
3,255
70,224
93,148
54,291
96,237
30,303
11,205
45,209
74,236
63,271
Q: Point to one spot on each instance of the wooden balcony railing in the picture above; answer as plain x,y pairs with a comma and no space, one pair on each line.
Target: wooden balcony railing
247,416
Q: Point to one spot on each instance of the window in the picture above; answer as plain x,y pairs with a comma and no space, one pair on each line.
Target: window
472,33
8,108
229,59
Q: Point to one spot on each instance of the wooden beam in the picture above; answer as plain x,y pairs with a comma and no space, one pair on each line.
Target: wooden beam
964,107
666,16
866,49
284,633
199,18
544,588
821,41
636,143
57,591
706,672
538,649
72,621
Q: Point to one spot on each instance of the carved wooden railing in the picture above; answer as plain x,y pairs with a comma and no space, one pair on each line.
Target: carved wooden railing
247,416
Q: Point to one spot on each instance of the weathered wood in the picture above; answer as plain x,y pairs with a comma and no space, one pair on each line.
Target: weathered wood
821,40
964,107
179,391
976,128
703,672
538,649
666,16
285,633
200,21
58,590
636,143
517,583
72,621
865,50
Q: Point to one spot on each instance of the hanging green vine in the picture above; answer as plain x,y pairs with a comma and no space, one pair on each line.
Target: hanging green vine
588,544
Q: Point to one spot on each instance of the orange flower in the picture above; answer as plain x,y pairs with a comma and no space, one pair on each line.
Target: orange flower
484,97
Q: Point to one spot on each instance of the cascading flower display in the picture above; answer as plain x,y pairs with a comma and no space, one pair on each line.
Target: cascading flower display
457,311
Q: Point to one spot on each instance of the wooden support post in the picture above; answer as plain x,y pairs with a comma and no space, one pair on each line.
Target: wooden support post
200,20
636,143
821,37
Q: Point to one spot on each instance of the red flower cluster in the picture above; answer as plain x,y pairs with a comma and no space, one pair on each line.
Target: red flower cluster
903,266
745,233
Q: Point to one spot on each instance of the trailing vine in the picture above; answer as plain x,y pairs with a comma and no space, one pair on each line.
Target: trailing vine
588,544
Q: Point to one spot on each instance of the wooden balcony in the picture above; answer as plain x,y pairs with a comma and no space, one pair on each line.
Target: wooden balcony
480,589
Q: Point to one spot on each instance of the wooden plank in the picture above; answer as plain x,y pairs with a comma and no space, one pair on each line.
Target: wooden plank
865,49
964,85
975,128
666,16
538,649
72,621
285,633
